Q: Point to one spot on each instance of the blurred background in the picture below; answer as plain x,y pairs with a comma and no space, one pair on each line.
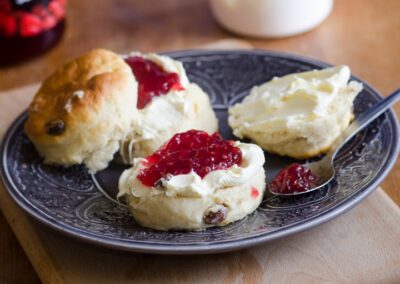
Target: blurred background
362,34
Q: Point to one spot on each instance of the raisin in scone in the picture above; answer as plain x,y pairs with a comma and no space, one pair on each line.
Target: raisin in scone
83,110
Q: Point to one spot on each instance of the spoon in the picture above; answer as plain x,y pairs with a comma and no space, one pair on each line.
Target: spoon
323,168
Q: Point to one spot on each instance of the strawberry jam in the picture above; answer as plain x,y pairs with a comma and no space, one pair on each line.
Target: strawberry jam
294,178
153,79
193,150
28,28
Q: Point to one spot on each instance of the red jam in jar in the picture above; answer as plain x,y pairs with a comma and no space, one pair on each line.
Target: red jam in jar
29,28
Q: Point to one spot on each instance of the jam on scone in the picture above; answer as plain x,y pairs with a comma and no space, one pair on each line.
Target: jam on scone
153,80
193,150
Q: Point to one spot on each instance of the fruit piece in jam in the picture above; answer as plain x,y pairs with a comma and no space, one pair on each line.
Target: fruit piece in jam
193,150
294,178
153,79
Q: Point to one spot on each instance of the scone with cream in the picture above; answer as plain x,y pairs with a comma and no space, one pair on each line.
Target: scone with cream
167,102
195,181
299,115
83,110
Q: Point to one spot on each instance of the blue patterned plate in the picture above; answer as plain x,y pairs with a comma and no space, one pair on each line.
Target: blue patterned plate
83,206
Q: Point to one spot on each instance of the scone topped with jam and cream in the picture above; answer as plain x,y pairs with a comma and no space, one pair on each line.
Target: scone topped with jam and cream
83,110
299,115
195,181
167,102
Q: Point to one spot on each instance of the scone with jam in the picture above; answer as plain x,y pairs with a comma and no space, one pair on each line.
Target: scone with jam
195,181
167,103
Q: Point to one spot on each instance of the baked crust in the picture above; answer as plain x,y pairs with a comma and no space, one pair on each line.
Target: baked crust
93,99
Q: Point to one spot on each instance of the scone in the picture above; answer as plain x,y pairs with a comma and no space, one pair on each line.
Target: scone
168,104
298,115
195,181
83,110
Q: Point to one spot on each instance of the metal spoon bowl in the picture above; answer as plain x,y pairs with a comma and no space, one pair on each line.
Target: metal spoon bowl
324,168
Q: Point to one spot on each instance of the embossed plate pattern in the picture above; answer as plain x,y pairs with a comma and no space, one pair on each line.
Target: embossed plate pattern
84,206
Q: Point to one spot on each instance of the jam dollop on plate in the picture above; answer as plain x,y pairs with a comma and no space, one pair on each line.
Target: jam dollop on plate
193,150
153,80
292,179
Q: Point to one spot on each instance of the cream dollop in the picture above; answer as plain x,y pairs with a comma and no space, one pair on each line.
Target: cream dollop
171,108
290,99
191,184
165,116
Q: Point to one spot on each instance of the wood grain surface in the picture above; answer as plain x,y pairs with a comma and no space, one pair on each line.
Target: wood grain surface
363,34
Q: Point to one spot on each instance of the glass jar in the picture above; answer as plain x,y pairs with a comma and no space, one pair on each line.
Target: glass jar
270,18
29,28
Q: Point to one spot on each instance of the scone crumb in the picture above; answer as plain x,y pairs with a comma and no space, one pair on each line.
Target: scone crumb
79,94
68,106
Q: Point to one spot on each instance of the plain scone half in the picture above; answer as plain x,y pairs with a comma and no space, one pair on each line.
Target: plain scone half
298,115
83,110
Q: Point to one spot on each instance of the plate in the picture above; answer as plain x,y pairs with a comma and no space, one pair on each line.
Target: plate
83,206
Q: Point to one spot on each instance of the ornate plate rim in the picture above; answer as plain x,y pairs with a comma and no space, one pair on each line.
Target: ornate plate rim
204,247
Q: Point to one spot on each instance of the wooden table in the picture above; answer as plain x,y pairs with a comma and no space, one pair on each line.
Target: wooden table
363,34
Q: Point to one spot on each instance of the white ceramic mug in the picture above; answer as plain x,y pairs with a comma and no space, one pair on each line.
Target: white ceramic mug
270,18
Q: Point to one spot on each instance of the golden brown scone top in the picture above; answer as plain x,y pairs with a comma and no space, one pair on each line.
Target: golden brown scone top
72,94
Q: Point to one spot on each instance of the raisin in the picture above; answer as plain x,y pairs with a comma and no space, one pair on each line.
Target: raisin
55,127
214,218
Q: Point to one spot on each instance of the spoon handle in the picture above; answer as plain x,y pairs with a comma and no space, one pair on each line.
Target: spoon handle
364,119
